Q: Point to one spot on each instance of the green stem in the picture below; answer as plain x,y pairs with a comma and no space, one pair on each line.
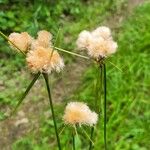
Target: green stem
91,137
52,110
101,84
73,141
72,53
105,106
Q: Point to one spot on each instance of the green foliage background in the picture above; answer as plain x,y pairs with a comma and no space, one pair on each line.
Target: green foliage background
128,91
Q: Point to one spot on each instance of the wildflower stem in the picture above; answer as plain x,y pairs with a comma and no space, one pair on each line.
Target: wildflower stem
7,39
91,137
105,105
97,90
73,141
100,86
72,53
26,92
52,110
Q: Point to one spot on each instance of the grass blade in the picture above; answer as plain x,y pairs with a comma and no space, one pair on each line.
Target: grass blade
72,53
61,131
52,109
25,93
105,106
115,66
55,43
87,135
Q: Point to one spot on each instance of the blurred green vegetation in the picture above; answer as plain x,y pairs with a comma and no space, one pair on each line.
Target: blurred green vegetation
128,94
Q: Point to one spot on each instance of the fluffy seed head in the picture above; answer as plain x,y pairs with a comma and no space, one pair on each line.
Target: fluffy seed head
44,60
21,40
83,40
101,47
98,43
103,32
79,113
44,40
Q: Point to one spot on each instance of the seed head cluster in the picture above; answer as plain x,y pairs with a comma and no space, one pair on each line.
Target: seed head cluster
40,55
79,113
44,60
98,43
21,40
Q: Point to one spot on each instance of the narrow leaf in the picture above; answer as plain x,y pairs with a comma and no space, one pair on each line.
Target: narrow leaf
72,53
25,93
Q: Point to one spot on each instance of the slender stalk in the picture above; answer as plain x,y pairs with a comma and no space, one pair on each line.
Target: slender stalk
91,137
115,66
105,106
55,43
7,39
72,53
98,92
87,135
73,141
62,130
52,110
101,83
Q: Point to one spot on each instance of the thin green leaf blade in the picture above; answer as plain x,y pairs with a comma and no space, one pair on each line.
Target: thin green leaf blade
26,92
22,97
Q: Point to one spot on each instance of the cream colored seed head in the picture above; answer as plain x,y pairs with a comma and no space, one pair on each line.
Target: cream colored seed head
44,38
79,113
83,40
99,44
100,47
21,40
44,60
103,32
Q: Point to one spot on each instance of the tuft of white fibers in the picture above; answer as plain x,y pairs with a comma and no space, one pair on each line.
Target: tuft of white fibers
44,60
98,43
22,40
83,40
101,47
44,40
103,32
79,113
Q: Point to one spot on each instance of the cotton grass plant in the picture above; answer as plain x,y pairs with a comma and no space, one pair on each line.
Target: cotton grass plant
42,58
99,45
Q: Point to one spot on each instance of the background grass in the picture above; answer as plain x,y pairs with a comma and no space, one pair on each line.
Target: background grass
128,91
